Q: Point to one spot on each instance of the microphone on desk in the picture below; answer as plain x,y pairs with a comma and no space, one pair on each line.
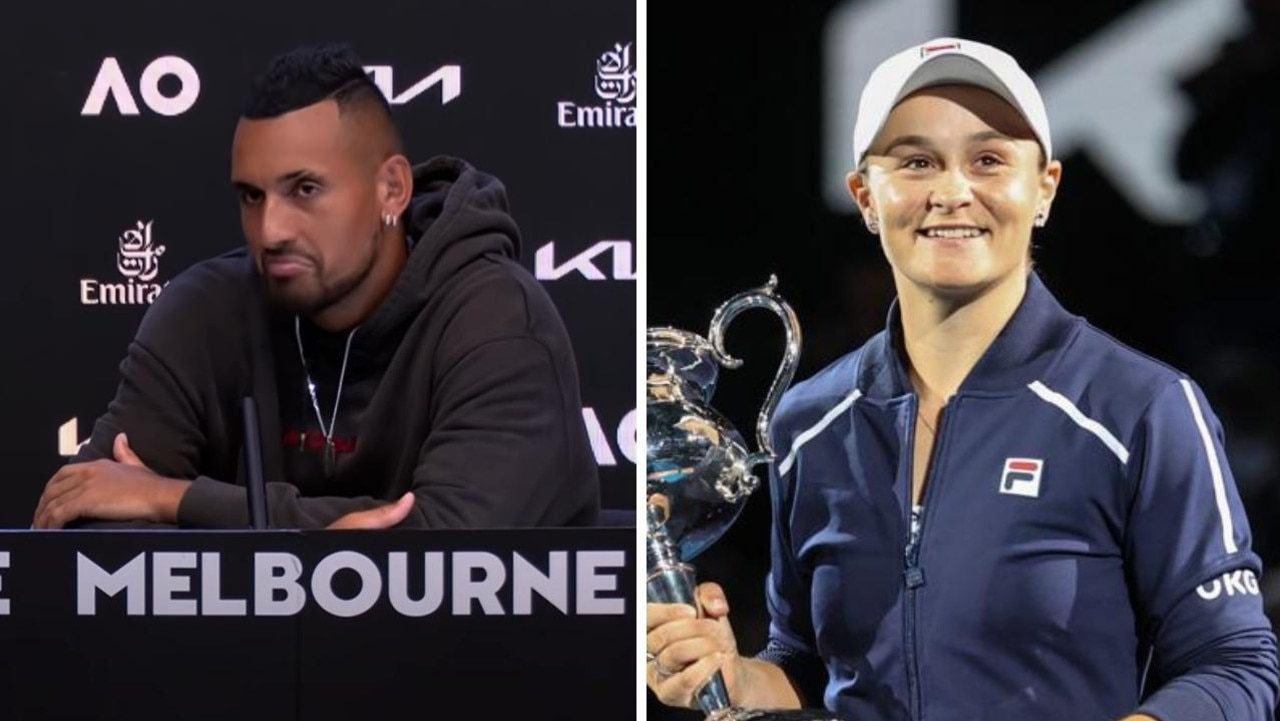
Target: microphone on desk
253,466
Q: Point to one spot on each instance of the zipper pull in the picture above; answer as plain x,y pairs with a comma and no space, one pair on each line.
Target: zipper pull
914,574
915,577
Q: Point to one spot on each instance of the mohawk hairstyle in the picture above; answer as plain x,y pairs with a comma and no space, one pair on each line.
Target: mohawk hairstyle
307,75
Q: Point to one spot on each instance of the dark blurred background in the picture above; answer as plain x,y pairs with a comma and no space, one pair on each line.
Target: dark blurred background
1164,114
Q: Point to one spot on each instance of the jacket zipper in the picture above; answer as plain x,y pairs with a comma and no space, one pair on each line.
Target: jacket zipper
913,575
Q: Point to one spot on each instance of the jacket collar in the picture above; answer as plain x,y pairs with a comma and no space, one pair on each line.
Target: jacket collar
1021,352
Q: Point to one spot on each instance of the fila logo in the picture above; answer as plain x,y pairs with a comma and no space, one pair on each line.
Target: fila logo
448,77
623,266
111,82
1021,477
1238,582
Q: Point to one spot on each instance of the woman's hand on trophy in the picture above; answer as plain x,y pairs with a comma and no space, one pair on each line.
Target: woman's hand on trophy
685,650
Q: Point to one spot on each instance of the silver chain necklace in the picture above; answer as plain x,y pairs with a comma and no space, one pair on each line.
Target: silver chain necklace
330,455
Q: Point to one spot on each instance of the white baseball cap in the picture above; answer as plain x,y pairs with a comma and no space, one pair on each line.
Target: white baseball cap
947,61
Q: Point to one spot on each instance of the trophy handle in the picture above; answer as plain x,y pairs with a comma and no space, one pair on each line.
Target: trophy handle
762,297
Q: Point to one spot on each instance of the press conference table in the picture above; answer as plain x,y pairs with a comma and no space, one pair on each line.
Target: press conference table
493,624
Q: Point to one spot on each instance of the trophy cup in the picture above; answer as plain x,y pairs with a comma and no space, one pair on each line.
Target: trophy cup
698,467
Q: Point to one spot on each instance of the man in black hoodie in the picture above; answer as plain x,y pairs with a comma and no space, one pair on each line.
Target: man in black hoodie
407,369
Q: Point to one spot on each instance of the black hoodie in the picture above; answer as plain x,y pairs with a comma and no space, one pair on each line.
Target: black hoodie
461,386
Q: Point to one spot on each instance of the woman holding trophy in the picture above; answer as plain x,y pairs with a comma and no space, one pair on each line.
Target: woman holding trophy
991,510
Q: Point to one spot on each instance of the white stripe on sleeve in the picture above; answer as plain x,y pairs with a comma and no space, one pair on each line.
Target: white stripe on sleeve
1215,470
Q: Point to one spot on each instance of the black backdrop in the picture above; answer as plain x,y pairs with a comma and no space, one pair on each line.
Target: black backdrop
1169,251
148,156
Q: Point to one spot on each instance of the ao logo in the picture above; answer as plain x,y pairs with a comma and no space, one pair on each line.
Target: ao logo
1128,122
625,436
111,82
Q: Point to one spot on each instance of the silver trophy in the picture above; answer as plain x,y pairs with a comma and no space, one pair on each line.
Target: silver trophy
698,467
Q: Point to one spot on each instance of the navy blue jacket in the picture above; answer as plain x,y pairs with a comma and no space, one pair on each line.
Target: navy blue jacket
1083,552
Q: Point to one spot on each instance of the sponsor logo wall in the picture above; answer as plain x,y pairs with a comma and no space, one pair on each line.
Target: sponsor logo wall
122,178
615,85
138,262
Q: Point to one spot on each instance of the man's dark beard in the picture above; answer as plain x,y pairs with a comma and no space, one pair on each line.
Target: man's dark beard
329,294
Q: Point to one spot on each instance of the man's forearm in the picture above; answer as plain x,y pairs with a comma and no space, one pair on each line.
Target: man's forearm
210,503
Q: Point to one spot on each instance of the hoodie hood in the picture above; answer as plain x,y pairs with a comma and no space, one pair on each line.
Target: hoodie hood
458,215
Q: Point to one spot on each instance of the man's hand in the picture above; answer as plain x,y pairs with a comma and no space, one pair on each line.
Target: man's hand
380,517
120,490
